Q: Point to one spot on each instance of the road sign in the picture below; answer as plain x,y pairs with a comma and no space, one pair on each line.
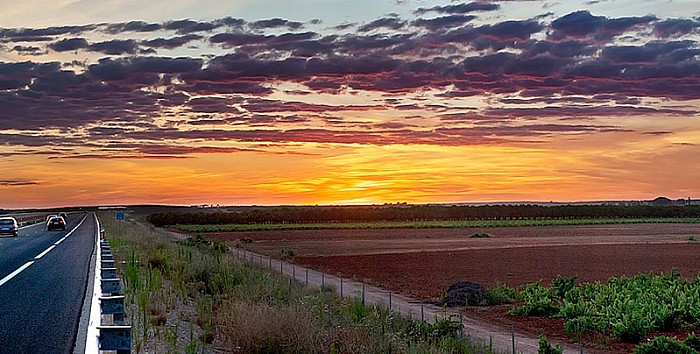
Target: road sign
120,215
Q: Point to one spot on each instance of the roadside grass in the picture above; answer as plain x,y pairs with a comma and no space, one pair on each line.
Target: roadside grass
191,296
191,228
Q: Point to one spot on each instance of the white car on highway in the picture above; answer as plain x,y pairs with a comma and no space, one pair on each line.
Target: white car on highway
9,226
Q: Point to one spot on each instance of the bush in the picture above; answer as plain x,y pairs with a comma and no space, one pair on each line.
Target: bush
561,285
585,324
692,341
539,301
464,293
500,295
287,252
479,235
631,328
546,348
664,345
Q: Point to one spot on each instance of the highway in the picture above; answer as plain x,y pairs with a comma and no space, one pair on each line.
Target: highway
43,277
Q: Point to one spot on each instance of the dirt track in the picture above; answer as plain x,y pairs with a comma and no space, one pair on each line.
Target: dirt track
385,241
420,263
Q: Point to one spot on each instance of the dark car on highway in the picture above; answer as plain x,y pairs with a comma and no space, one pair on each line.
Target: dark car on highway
56,222
9,226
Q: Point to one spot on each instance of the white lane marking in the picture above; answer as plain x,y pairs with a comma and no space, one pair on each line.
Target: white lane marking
13,274
26,265
71,231
44,253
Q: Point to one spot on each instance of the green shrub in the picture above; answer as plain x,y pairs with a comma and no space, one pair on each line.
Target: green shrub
631,328
539,301
692,341
287,252
546,348
500,295
664,345
585,324
561,285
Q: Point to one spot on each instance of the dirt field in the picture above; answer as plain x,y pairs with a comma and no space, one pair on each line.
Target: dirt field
421,263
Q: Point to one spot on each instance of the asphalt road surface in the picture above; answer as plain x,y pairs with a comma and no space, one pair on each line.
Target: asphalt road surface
43,277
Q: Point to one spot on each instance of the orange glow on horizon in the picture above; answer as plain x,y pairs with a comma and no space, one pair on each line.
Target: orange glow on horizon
363,174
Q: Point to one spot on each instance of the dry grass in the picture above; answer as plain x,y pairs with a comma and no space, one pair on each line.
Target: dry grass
258,328
191,296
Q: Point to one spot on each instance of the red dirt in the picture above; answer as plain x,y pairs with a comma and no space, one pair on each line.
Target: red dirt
421,263
426,274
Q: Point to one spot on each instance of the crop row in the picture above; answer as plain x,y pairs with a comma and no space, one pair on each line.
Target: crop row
423,224
624,308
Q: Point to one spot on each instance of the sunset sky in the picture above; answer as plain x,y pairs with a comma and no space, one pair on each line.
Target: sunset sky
269,102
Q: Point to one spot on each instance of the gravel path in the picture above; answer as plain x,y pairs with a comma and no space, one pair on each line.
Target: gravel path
502,339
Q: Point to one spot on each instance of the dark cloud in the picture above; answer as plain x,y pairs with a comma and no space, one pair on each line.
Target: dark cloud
459,8
344,26
231,22
676,27
27,50
171,43
238,39
509,30
582,24
392,23
42,34
652,53
443,22
142,67
189,26
69,44
275,23
115,47
132,26
567,68
12,183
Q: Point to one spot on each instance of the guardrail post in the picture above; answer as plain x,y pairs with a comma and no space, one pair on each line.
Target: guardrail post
113,305
108,273
115,338
111,286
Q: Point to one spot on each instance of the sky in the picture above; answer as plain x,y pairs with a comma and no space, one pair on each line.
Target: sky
277,102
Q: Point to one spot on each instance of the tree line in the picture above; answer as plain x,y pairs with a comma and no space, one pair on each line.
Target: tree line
421,213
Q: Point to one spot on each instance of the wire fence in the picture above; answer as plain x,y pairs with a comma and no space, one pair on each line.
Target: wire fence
493,338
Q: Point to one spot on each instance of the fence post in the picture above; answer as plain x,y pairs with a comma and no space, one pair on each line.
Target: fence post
390,301
422,317
363,293
341,288
461,326
513,337
307,277
281,267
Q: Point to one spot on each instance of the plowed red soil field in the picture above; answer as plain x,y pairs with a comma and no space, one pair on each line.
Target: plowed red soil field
423,262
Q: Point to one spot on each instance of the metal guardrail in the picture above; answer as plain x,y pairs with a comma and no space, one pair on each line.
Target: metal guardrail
117,335
110,332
